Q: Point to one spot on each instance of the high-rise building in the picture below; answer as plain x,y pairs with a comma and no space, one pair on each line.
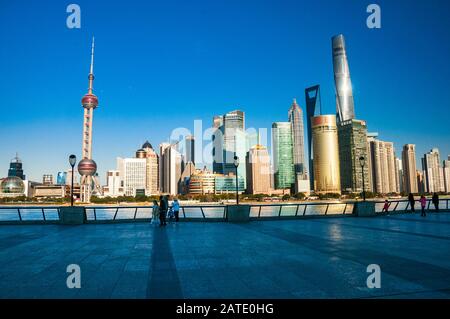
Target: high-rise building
226,184
327,177
162,169
446,174
190,149
382,162
258,170
188,169
409,168
295,116
172,170
420,182
229,140
15,168
313,105
433,175
113,186
87,166
152,169
132,172
344,93
399,178
202,182
283,160
47,179
352,136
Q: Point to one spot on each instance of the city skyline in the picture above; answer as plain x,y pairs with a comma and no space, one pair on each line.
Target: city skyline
44,152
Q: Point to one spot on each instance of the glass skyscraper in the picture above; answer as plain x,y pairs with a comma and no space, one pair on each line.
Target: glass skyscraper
344,92
15,168
313,103
283,156
295,115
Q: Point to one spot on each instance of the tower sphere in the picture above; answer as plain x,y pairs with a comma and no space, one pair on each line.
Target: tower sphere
89,101
87,167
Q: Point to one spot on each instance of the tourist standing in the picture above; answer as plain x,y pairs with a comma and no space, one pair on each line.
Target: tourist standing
412,202
155,212
176,209
386,206
435,200
423,204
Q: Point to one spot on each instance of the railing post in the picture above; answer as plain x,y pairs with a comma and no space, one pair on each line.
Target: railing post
279,213
201,209
18,211
345,208
395,208
95,214
407,206
184,214
304,210
43,214
296,211
326,210
259,213
135,213
117,210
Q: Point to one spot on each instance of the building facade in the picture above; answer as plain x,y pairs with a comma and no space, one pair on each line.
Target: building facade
433,174
114,187
283,161
133,174
258,170
409,168
446,174
190,149
295,116
327,177
352,137
383,173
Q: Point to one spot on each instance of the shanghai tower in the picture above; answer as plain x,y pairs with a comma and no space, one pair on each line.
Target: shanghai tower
344,93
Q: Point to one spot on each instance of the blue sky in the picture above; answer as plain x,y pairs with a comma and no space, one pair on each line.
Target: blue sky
162,65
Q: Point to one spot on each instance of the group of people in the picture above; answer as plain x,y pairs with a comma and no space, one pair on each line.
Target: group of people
161,211
412,202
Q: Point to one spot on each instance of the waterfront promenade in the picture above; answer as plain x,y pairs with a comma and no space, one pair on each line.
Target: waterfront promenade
299,258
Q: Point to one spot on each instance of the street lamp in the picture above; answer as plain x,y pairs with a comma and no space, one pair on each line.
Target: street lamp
236,165
72,161
362,162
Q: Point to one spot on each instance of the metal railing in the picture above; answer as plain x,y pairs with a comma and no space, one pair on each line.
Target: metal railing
50,214
403,206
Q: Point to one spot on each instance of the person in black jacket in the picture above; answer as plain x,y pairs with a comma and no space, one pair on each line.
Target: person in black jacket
162,211
435,201
411,202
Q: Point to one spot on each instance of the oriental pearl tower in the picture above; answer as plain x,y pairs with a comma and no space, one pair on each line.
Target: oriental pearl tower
87,167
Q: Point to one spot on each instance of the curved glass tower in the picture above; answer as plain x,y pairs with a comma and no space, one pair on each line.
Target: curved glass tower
344,93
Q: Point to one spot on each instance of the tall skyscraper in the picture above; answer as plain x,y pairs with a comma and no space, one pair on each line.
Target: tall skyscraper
313,105
344,92
87,166
352,136
162,168
409,168
295,116
15,168
47,179
172,170
258,170
446,174
382,159
433,176
152,169
229,139
61,178
327,177
399,178
190,149
283,156
420,182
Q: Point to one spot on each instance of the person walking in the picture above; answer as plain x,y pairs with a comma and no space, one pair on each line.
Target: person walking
423,204
155,213
412,202
176,209
386,207
435,201
162,211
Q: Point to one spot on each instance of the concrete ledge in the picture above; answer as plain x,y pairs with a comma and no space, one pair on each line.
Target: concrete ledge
72,215
364,209
238,213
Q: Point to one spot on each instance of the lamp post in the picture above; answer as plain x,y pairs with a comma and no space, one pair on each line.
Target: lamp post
362,162
72,161
236,165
